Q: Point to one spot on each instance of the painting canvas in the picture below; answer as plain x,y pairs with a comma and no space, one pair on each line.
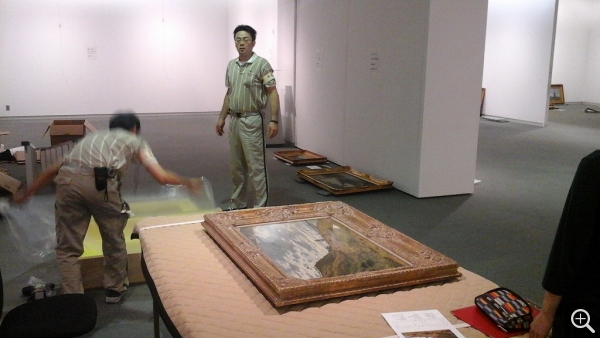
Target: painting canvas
343,180
319,247
306,252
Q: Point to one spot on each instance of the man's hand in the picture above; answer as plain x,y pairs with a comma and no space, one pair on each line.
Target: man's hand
541,325
220,126
273,129
20,196
195,185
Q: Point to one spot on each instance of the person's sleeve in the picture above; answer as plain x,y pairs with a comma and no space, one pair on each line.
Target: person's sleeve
145,154
574,236
227,83
267,75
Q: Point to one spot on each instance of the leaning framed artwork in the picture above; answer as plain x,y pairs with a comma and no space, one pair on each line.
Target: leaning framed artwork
343,180
307,252
299,157
557,94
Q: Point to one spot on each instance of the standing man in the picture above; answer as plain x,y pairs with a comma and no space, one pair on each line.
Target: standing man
88,184
250,86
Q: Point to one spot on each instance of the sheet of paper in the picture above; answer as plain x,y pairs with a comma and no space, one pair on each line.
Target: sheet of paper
430,323
313,167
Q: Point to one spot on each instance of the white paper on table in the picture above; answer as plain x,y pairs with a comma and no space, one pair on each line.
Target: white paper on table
313,167
406,323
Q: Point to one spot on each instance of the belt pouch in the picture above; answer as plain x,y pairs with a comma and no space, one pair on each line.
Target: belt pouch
101,177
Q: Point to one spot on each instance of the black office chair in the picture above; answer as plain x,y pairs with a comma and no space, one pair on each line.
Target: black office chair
61,316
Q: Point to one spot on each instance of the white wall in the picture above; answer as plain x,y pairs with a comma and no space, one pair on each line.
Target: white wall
450,127
286,51
592,74
262,16
151,56
321,50
518,55
391,122
382,108
576,64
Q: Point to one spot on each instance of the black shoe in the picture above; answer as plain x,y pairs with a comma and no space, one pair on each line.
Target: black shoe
232,208
113,297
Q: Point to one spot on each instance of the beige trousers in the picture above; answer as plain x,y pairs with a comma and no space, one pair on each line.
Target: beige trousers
248,168
77,200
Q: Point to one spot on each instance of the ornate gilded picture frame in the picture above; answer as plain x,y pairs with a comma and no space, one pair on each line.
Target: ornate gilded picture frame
557,94
299,157
307,252
343,180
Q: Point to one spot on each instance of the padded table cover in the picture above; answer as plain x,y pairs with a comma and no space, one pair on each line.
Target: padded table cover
206,295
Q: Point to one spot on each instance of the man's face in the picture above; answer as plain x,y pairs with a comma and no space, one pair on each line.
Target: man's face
244,43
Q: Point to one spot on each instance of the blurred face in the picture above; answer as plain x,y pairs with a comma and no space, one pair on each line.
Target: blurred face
244,44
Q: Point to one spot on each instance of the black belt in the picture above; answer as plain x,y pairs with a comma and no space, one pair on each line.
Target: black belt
84,170
244,114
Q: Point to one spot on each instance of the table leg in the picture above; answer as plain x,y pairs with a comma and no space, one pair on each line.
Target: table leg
156,319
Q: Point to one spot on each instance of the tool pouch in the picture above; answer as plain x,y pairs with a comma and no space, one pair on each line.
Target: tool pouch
101,176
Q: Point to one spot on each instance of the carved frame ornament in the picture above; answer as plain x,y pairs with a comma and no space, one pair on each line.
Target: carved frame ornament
414,263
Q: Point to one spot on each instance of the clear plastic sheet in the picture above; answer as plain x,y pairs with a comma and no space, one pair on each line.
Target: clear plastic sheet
32,229
32,226
203,200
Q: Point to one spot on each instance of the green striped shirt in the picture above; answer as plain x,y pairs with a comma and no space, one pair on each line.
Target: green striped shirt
247,82
109,148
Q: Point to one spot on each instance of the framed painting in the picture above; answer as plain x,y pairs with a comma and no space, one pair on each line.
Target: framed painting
299,157
307,252
557,94
343,180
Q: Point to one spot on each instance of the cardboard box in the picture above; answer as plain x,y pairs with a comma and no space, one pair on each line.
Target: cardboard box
92,260
68,130
19,156
9,183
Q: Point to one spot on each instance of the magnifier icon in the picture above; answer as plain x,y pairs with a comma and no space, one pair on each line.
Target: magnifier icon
581,321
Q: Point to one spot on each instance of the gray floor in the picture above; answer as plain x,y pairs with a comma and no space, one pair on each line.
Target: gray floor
503,231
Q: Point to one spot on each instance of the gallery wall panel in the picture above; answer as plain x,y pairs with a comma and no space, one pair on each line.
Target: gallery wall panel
518,59
321,66
92,57
452,97
372,78
387,51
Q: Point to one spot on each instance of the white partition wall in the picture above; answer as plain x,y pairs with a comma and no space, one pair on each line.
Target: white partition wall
387,53
576,64
518,59
392,88
286,55
92,57
321,52
455,51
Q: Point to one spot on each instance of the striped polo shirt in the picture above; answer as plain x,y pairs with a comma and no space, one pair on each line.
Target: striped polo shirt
113,148
247,82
